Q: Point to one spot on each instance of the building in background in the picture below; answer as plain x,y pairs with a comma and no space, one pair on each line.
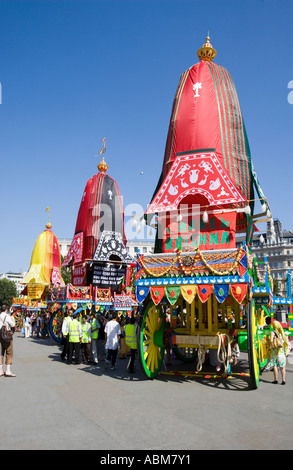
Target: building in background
277,247
17,278
64,244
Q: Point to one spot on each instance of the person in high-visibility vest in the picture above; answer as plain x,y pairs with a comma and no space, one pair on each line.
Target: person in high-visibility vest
75,336
131,341
86,340
65,331
95,326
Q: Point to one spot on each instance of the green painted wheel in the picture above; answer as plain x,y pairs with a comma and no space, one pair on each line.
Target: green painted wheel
253,345
150,339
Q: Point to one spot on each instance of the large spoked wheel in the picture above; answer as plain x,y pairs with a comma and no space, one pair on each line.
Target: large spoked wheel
253,346
18,320
55,326
150,339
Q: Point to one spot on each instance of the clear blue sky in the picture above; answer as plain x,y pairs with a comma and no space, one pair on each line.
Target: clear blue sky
73,72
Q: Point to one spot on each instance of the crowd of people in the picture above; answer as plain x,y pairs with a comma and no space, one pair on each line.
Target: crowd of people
93,338
35,325
96,338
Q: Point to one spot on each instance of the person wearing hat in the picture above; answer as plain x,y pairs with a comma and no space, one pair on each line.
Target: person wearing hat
74,339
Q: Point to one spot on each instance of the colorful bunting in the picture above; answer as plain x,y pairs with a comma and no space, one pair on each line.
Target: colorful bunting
204,291
172,294
188,293
242,264
157,293
221,291
239,291
141,293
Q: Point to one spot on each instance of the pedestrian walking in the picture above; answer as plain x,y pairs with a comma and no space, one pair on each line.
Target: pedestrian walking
6,347
95,327
75,335
33,323
131,342
112,338
86,340
39,323
27,325
279,349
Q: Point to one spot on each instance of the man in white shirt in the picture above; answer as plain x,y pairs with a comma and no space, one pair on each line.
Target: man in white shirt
6,348
112,338
65,330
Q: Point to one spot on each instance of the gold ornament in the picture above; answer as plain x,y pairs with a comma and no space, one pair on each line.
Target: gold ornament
207,52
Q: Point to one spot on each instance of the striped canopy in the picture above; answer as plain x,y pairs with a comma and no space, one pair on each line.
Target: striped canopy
45,266
205,116
101,210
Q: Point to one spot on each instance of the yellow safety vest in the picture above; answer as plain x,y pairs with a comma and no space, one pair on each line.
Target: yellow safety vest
130,336
85,327
74,331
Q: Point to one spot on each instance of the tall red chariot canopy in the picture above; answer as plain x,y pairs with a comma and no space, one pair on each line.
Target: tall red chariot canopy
99,231
206,116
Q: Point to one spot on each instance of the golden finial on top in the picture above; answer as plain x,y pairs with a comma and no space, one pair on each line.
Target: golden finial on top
102,166
48,225
207,52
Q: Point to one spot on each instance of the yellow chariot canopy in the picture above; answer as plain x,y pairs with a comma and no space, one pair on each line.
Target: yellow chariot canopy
45,266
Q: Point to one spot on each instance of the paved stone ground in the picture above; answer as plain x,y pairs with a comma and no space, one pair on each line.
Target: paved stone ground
51,405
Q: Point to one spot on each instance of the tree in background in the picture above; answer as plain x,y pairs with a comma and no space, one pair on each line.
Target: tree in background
65,272
7,292
276,287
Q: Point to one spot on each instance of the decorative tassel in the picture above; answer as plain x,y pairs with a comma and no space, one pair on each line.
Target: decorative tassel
247,210
264,207
261,239
269,214
205,217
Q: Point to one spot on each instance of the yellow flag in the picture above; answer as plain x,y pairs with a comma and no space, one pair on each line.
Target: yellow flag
188,292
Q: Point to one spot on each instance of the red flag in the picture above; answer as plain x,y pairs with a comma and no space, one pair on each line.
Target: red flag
239,291
157,293
204,291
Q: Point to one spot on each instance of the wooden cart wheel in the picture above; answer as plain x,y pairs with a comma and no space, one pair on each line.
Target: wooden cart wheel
150,339
253,345
55,326
18,320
